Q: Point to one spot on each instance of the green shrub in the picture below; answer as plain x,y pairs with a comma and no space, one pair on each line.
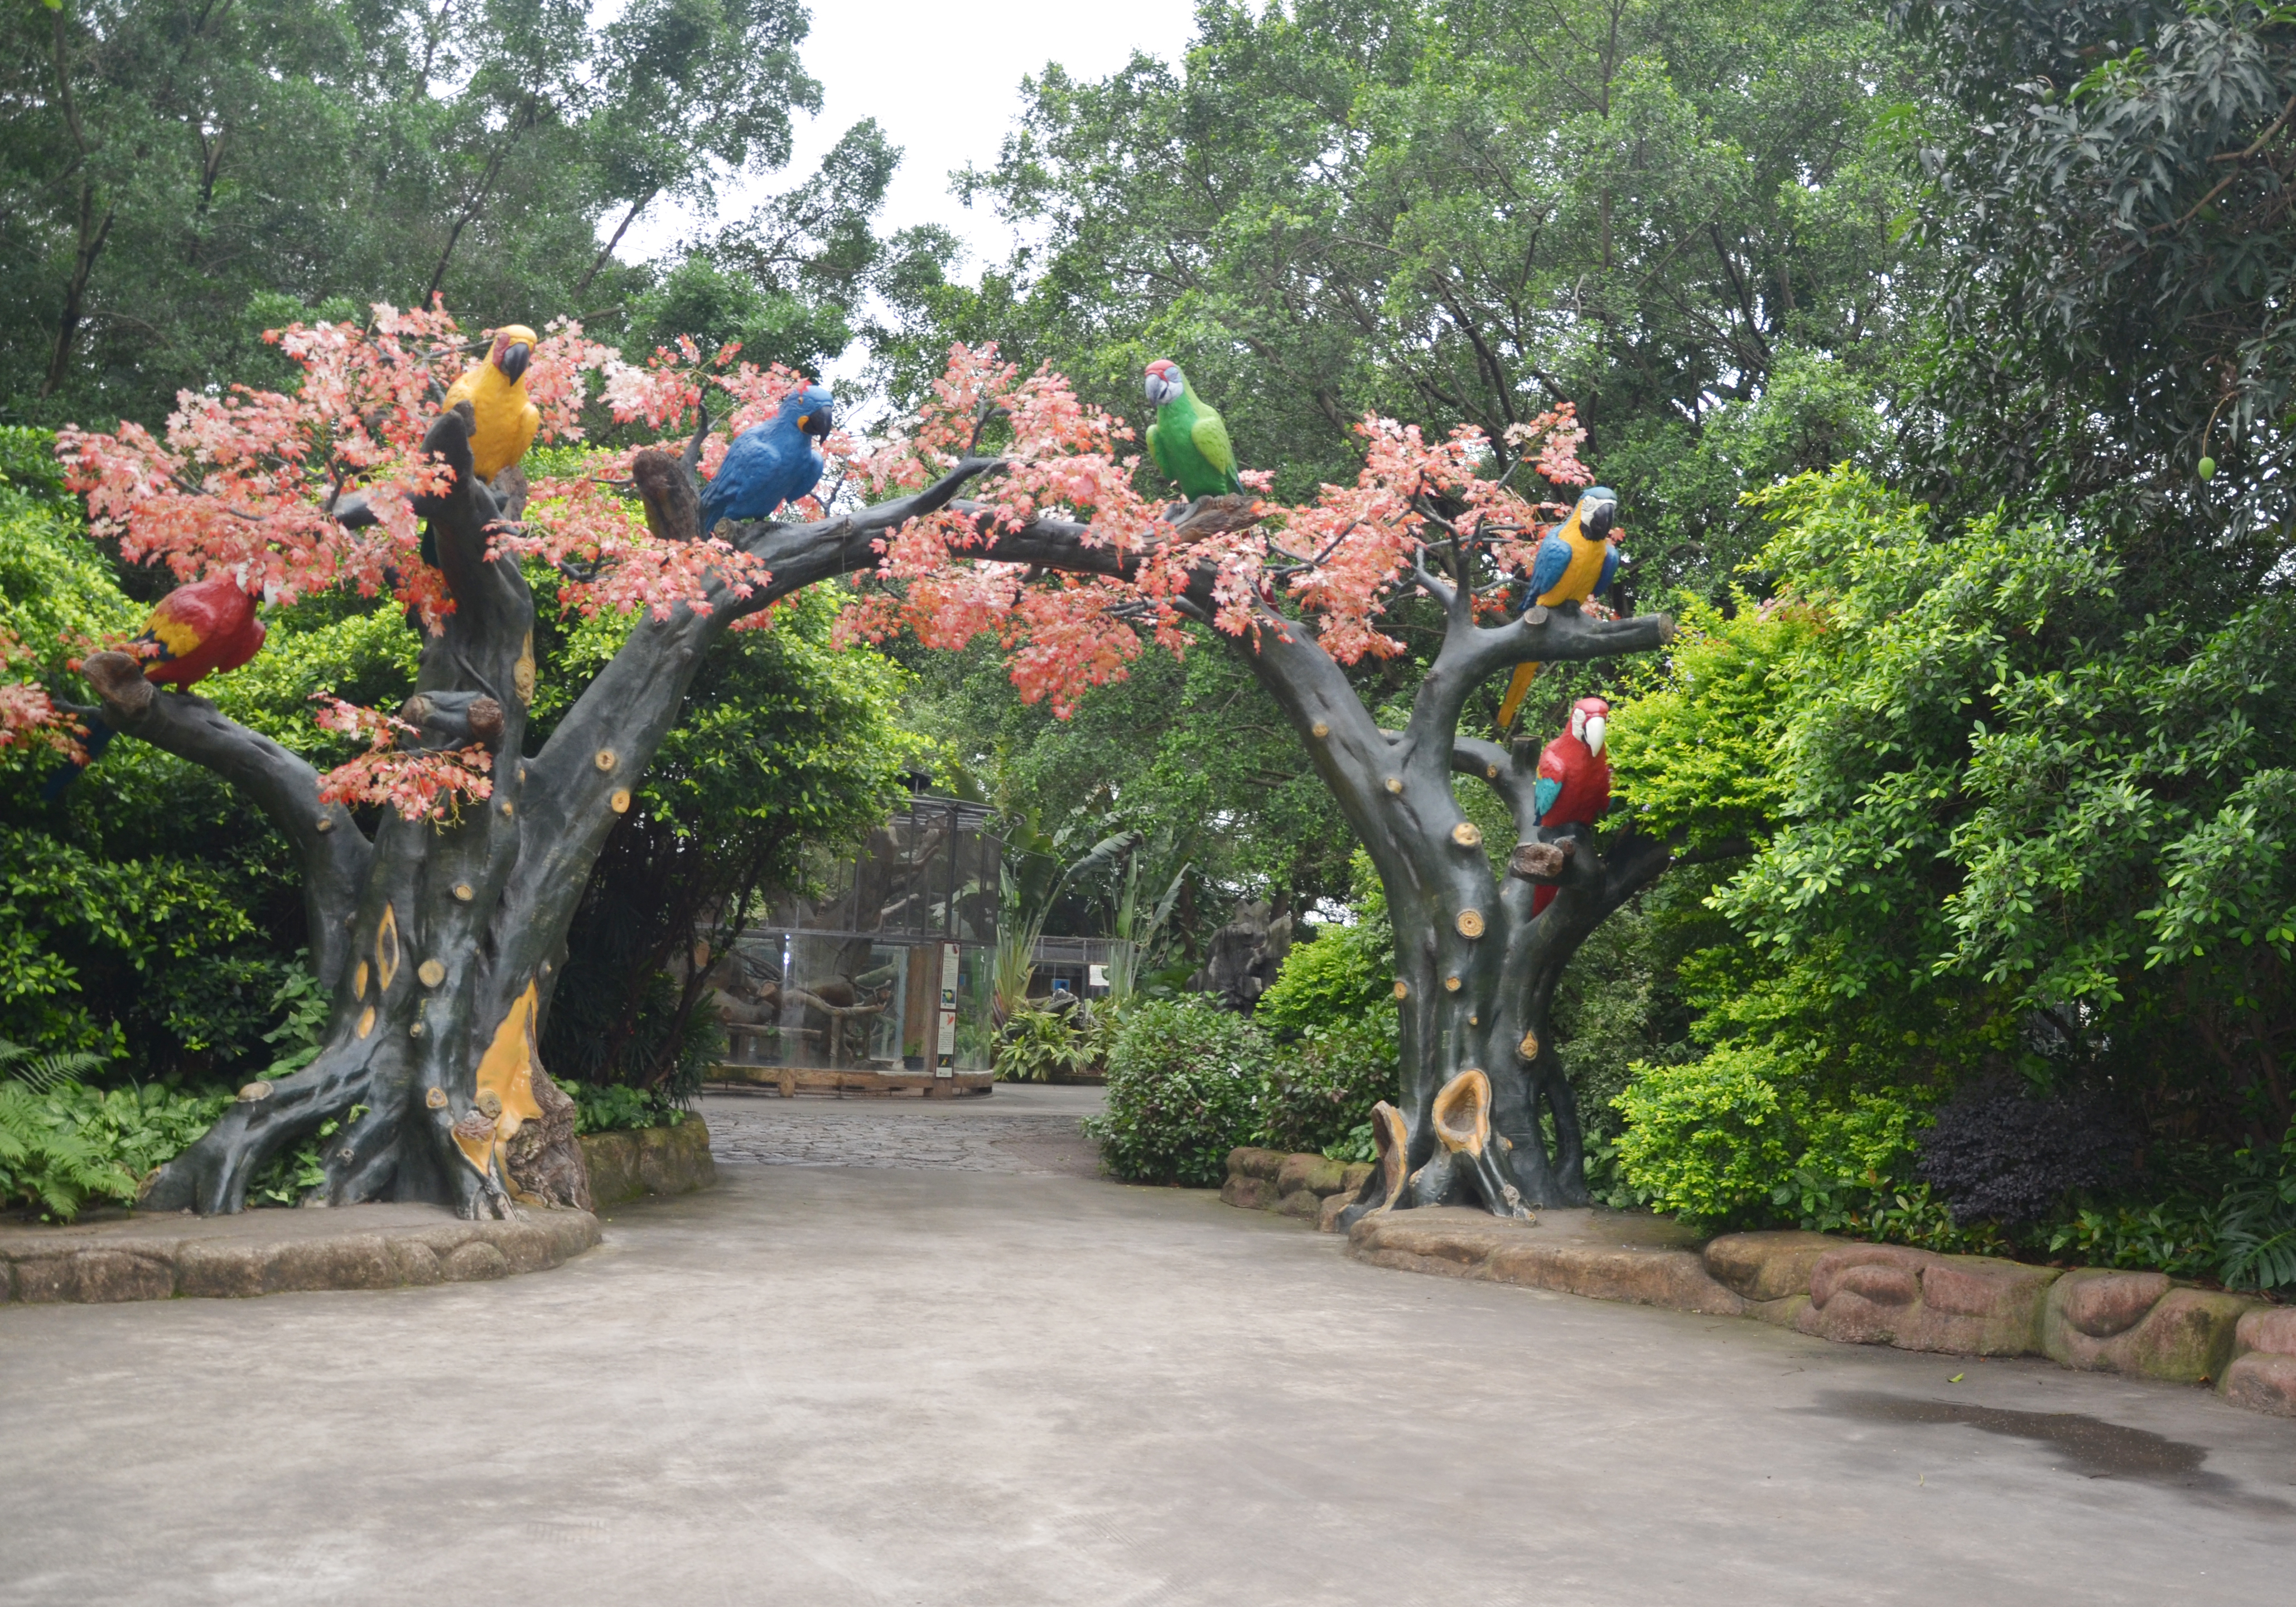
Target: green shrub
1183,1081
1707,1140
1321,1085
1323,982
1341,973
617,1107
1035,1045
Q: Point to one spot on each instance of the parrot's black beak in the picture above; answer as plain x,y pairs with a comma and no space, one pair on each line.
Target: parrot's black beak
818,421
1598,517
513,362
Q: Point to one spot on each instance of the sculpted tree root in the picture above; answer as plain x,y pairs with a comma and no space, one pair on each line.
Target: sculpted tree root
1472,1165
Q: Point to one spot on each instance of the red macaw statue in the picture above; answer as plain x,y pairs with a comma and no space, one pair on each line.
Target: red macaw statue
1574,778
195,632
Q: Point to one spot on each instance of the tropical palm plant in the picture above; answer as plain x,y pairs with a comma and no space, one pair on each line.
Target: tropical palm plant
1034,878
1137,913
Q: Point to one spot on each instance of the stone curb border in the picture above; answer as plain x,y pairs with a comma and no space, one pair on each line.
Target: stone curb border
2092,1318
630,1165
154,1266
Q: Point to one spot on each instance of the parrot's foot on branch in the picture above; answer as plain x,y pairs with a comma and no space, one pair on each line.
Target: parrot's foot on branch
1214,515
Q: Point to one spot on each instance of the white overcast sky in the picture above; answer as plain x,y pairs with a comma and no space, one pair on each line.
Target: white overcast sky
944,82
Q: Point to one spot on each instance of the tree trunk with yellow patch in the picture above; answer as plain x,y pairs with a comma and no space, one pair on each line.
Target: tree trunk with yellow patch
1485,1113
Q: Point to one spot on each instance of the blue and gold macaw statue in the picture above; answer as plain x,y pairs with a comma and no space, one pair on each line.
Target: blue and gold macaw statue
1576,561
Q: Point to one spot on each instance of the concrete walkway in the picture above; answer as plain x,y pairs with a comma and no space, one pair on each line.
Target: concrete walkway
936,1385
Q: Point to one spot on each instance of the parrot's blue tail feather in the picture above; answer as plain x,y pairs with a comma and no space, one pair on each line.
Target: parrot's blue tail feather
99,738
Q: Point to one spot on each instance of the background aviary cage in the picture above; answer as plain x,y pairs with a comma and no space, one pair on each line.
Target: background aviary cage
885,965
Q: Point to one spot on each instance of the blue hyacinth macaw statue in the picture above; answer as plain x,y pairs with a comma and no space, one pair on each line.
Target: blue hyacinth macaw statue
772,462
1576,561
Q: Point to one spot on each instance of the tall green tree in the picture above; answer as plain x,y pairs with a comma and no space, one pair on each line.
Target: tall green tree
1685,219
177,174
1462,211
2110,184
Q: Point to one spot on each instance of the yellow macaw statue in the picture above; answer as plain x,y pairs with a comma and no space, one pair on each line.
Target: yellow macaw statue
496,390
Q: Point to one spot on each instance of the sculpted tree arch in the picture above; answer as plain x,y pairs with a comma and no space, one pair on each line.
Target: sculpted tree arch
440,928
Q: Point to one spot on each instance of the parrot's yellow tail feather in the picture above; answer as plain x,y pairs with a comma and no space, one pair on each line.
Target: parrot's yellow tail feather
1517,690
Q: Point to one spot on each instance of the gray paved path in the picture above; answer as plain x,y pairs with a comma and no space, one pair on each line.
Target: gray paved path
1020,1130
933,1386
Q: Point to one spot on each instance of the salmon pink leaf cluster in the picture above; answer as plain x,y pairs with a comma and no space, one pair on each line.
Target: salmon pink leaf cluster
421,783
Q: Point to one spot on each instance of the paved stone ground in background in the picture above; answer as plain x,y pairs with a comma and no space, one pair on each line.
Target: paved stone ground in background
944,1388
1023,1130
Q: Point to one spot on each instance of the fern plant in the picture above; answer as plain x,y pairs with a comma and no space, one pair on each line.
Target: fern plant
44,1073
45,1163
63,1143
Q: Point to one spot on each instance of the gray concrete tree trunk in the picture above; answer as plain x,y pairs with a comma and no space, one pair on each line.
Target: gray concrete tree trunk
1475,970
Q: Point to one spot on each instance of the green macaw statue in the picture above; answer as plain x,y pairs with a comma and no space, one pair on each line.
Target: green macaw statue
1189,440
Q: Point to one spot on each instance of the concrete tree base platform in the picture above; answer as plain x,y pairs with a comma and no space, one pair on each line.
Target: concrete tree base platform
163,1257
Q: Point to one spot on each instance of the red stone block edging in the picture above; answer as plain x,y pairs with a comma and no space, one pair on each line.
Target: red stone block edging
2096,1319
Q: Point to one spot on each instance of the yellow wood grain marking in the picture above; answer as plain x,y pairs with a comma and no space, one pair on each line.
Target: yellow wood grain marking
359,982
366,1021
386,948
506,1070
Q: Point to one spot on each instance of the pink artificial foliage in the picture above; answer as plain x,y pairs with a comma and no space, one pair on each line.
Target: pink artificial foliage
1340,557
243,481
422,784
29,718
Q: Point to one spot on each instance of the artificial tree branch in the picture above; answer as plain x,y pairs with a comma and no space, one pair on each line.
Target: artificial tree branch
691,461
334,854
843,542
1442,591
673,512
1562,635
458,517
1512,774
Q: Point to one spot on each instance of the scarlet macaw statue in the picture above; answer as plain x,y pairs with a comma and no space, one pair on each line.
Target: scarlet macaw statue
195,631
1574,779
